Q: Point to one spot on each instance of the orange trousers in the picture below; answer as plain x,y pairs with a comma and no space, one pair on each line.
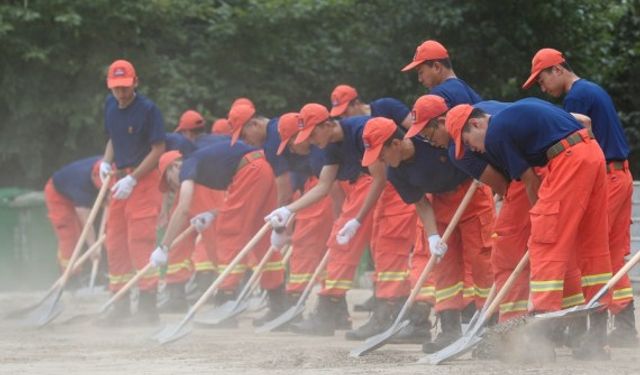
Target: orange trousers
312,229
620,191
65,222
250,197
131,233
394,233
569,221
344,259
419,259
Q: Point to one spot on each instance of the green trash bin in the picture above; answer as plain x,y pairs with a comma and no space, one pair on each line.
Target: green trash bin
27,242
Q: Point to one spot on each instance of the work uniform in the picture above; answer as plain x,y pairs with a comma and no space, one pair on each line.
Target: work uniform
131,226
569,220
70,187
177,141
390,108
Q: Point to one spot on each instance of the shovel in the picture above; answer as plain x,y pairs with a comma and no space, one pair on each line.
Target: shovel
90,290
478,313
49,307
298,308
175,332
379,340
128,285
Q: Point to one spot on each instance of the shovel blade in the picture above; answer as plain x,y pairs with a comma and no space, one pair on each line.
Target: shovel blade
20,313
283,319
172,333
257,302
218,315
573,312
45,312
458,348
377,341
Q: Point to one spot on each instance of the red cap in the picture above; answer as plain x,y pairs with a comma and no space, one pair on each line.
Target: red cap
426,108
289,125
376,132
311,114
239,115
221,127
543,59
243,101
455,121
341,96
190,120
95,174
165,160
121,74
429,50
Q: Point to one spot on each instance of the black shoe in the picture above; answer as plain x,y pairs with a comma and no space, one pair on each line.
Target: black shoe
322,321
451,331
383,315
576,331
201,282
147,313
367,305
419,328
224,296
177,301
118,315
467,313
593,347
343,319
277,303
624,334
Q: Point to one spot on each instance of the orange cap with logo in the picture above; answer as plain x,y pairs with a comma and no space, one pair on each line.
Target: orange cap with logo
543,59
190,120
376,132
425,109
429,50
121,74
165,161
289,125
239,116
341,96
455,121
311,114
221,127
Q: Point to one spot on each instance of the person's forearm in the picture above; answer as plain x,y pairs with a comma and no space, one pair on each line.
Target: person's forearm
283,187
532,185
375,190
427,216
315,194
149,162
176,223
108,152
83,216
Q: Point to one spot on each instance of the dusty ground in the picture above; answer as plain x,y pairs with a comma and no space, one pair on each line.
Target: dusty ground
86,349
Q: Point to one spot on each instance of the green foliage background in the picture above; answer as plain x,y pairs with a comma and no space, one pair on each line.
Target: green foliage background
202,54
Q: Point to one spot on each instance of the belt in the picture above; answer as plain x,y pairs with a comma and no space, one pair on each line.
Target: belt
617,165
583,135
248,158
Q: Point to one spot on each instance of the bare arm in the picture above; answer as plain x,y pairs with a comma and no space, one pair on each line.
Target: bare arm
180,214
427,215
379,173
327,176
407,122
495,180
108,152
83,215
150,161
582,119
337,198
283,186
532,184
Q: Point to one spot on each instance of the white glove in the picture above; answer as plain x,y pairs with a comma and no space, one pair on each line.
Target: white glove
436,246
279,217
348,231
159,256
202,220
278,240
105,170
123,188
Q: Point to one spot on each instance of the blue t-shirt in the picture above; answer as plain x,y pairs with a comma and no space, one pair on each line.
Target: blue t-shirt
133,130
456,91
206,140
589,99
177,141
429,171
75,183
518,137
390,108
214,166
348,152
279,163
474,163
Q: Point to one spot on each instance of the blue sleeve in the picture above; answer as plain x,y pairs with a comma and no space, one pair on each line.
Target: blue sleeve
577,105
189,169
332,154
408,193
156,131
390,108
513,160
470,163
278,163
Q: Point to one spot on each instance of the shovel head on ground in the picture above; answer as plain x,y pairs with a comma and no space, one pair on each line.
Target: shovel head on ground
377,341
286,317
458,348
573,312
221,313
173,333
257,302
20,313
45,312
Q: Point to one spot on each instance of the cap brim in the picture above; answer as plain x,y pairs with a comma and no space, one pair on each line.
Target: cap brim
371,155
120,82
412,65
283,145
303,135
531,80
415,129
339,110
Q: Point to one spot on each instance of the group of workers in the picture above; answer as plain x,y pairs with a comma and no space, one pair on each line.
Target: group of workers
373,175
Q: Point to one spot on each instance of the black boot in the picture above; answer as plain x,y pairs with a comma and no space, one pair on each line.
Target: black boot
592,347
224,296
177,302
277,303
119,313
467,313
451,331
342,318
322,321
147,313
383,315
576,331
419,328
624,334
202,281
367,305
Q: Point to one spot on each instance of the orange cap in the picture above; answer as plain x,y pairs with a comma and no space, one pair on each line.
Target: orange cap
429,50
121,74
289,125
455,121
95,174
239,115
243,101
165,161
425,109
311,114
543,59
376,132
190,120
221,127
341,96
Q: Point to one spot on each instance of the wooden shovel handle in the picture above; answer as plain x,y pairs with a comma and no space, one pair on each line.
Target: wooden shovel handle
506,287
